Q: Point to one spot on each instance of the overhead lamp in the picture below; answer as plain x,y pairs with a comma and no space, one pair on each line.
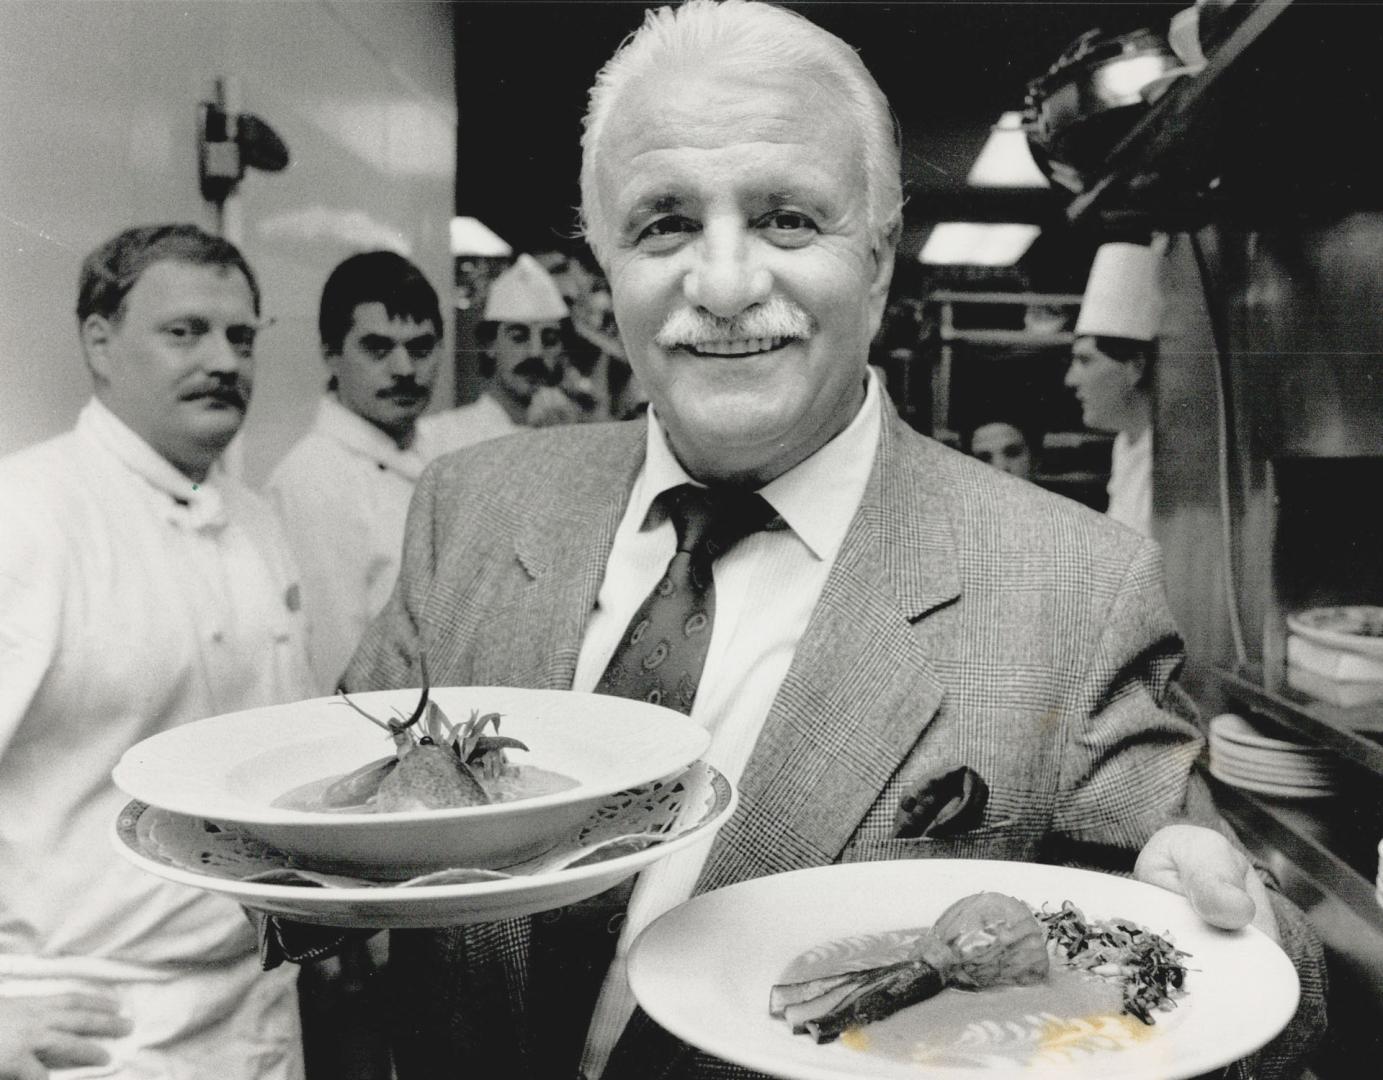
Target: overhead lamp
470,237
1005,161
970,243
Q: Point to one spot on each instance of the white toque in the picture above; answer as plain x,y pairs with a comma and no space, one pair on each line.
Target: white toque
525,293
1122,298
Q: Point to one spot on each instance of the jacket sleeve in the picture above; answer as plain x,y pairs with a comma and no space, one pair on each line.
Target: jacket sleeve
1128,771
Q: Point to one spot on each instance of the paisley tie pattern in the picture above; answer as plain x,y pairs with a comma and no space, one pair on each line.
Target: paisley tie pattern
660,657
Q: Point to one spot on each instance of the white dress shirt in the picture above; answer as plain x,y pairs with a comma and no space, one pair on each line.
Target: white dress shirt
1130,481
342,493
133,600
766,587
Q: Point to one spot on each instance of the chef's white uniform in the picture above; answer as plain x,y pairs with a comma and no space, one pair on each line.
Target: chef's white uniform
133,600
1130,482
342,493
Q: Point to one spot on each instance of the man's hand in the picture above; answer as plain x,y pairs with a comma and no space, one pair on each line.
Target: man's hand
55,1032
1218,879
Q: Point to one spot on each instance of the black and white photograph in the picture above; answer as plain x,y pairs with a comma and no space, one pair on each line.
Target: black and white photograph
706,540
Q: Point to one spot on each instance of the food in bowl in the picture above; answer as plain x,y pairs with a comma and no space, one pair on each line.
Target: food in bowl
436,765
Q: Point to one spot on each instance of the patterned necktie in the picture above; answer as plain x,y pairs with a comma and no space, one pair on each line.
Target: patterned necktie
660,657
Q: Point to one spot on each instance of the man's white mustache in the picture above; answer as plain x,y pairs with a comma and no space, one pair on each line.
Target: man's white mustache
776,317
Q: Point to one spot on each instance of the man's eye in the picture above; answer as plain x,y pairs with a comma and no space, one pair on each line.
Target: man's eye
788,221
420,348
242,339
183,334
666,230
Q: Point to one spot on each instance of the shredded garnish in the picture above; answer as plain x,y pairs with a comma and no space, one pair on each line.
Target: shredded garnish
1147,965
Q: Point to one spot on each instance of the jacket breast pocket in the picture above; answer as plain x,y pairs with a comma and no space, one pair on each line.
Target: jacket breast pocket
1002,840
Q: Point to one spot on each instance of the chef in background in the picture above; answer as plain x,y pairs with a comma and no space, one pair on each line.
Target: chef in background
141,587
529,378
342,490
1111,370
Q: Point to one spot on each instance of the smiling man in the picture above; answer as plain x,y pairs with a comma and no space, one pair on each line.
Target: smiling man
777,554
343,489
141,587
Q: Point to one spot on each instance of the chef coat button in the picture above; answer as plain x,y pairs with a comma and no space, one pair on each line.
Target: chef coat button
217,637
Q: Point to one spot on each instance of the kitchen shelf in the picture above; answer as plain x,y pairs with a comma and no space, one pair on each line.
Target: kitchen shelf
1354,733
1270,129
1321,838
1008,337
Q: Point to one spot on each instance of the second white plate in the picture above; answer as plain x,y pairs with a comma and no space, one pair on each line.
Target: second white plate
703,970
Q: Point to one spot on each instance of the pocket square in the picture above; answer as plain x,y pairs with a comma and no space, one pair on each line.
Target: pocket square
944,802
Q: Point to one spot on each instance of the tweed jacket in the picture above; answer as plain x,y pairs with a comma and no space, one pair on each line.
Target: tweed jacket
969,619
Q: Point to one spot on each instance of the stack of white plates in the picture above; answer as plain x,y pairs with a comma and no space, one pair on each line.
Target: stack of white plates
1242,755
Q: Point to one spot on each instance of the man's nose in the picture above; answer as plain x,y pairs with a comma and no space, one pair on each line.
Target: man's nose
401,363
728,276
1071,378
220,354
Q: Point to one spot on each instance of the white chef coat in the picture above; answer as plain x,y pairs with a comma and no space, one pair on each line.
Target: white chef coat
133,600
484,418
342,493
766,588
1130,481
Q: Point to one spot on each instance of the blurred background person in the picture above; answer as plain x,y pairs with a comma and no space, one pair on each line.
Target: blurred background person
529,379
342,490
1005,445
141,587
1111,370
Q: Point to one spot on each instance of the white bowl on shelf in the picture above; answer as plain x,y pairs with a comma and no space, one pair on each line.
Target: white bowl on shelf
230,769
1356,628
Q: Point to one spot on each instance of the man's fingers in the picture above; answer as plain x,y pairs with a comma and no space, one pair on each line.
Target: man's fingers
1219,902
1204,867
61,1051
88,1022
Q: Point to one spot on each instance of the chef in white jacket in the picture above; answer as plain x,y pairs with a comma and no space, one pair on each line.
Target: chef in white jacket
342,490
1111,370
141,587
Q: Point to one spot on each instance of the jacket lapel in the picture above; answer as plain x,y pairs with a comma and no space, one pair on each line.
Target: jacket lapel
563,548
861,689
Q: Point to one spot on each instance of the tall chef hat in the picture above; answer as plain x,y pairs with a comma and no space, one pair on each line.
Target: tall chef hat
1122,298
525,293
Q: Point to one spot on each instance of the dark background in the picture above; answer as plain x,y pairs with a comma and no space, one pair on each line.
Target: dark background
949,68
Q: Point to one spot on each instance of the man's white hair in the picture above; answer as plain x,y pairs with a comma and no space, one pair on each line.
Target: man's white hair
756,37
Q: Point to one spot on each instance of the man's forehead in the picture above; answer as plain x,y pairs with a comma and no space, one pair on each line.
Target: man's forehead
372,317
710,109
180,282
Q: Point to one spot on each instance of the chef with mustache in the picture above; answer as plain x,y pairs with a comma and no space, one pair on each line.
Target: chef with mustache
141,587
342,490
529,380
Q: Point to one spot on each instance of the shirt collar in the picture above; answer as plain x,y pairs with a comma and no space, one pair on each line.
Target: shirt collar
817,497
190,504
355,433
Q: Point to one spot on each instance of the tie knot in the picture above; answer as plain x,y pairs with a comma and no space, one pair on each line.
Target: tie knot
710,521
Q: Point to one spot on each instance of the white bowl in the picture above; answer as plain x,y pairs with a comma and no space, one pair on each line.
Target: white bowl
231,768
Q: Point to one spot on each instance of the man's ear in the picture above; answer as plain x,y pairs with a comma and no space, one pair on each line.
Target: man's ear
883,254
96,332
331,357
1139,367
